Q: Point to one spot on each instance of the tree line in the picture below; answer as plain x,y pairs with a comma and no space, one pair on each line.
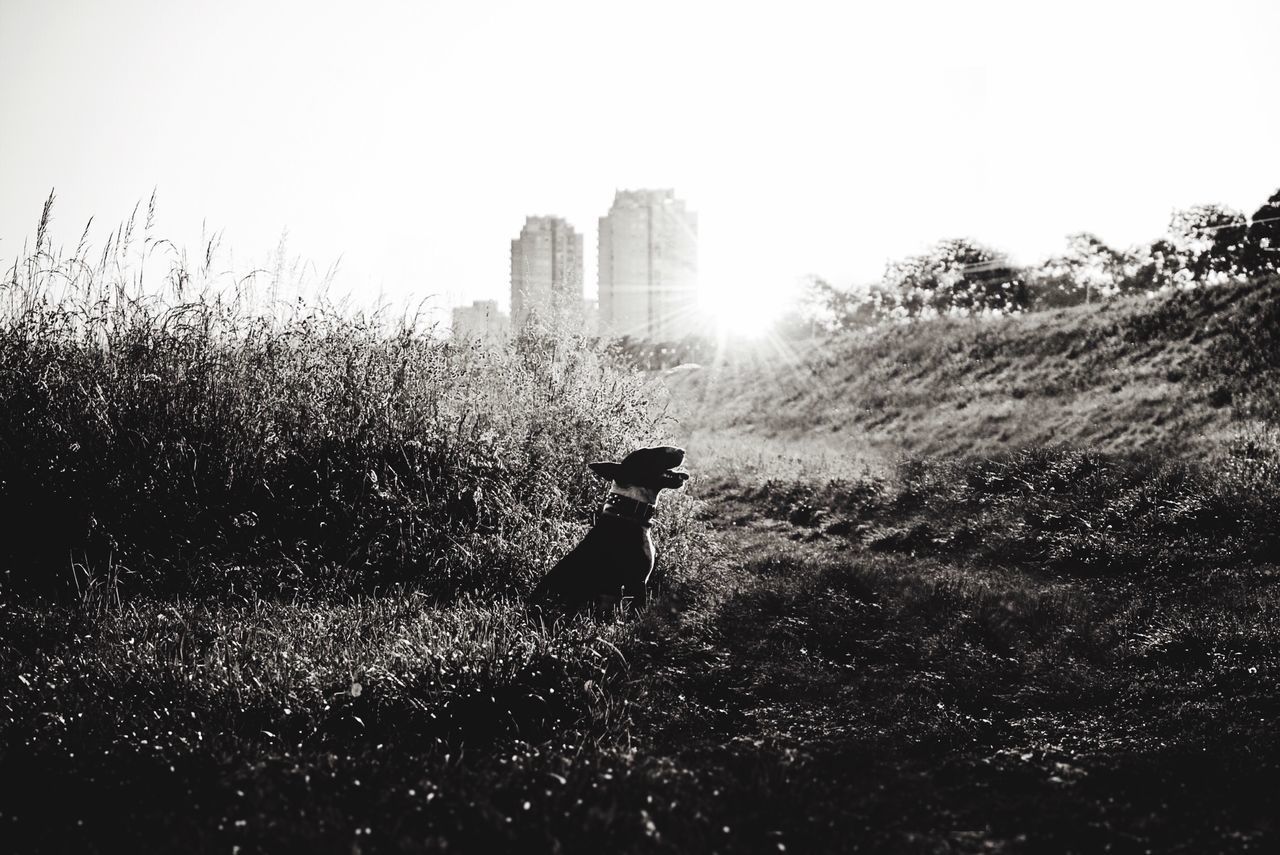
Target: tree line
1204,244
961,277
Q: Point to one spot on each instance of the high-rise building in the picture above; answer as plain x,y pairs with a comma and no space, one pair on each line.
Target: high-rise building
591,316
481,321
649,267
546,270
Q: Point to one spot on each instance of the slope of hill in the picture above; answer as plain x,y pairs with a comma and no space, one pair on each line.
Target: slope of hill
1176,373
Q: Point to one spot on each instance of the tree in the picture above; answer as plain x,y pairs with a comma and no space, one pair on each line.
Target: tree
827,307
957,277
1262,240
1150,267
1089,269
1207,243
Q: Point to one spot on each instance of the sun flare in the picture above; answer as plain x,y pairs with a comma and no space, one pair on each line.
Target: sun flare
747,315
747,308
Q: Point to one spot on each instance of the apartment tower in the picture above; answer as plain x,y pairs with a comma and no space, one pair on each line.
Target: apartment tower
546,271
482,321
648,271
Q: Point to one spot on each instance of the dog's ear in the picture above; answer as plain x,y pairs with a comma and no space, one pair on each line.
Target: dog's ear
605,469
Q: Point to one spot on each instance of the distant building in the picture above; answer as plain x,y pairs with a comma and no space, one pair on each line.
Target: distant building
591,316
649,267
546,270
481,321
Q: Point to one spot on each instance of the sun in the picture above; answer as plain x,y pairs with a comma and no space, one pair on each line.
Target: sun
749,310
746,283
746,315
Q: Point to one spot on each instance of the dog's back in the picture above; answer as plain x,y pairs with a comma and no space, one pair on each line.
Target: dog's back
613,561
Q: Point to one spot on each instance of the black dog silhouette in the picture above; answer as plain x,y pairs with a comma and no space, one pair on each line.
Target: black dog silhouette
612,565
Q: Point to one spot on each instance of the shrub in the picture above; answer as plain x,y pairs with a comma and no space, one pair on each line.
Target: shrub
182,436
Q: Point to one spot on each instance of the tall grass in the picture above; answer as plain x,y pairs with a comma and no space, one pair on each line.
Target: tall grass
170,427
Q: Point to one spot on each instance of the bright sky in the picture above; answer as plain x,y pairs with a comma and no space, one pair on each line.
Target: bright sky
412,138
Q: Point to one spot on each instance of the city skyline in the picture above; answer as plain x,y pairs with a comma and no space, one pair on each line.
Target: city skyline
646,283
825,140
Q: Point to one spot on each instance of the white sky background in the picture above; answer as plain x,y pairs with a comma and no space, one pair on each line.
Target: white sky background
413,138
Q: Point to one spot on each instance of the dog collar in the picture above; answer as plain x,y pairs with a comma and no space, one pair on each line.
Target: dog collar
627,508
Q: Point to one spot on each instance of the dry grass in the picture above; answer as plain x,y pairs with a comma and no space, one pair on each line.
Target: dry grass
175,433
1170,373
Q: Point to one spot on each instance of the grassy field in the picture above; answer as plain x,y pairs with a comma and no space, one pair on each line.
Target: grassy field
263,592
834,678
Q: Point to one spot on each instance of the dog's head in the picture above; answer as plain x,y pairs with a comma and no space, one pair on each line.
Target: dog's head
646,467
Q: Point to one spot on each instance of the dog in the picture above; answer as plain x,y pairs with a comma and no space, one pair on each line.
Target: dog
613,563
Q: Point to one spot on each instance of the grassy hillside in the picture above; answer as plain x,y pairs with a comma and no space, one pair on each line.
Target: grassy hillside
1178,372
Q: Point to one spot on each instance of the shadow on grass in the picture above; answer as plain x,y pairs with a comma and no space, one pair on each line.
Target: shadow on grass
854,701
